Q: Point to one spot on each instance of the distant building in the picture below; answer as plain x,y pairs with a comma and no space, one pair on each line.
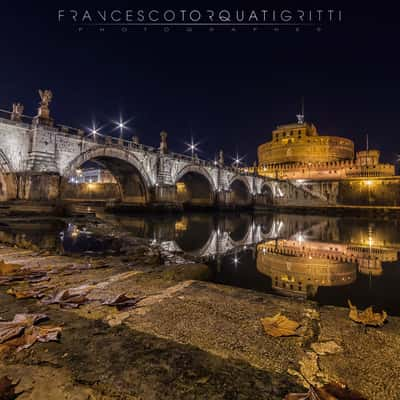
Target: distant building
297,151
93,175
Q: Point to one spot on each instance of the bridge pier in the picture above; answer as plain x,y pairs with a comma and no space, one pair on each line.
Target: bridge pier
165,196
37,186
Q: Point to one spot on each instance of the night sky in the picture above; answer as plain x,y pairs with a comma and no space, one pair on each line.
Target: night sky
229,89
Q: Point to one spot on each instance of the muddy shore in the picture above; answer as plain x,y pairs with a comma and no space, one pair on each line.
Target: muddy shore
184,338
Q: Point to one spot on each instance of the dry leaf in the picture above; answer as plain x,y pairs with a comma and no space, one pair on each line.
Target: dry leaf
330,391
26,293
9,331
279,325
21,333
121,301
14,328
367,317
39,334
70,298
8,269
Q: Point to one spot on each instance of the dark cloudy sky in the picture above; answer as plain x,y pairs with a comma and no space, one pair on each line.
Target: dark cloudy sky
229,89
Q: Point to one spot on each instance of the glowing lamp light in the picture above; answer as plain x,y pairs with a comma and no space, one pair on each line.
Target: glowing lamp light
368,183
192,147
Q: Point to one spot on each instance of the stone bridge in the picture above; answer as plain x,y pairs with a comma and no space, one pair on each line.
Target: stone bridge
38,158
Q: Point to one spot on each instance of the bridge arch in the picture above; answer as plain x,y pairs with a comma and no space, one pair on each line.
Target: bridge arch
195,186
241,191
8,182
267,193
133,181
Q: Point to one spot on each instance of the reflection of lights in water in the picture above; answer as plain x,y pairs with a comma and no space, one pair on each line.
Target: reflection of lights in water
236,260
181,225
75,233
370,240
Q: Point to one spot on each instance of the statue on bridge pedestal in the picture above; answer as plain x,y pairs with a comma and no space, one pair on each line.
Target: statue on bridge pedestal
17,111
43,116
221,158
163,142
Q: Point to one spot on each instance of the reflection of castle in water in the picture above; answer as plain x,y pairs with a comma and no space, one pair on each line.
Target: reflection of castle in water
301,266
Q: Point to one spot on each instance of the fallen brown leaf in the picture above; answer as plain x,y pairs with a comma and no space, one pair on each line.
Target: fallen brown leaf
39,334
367,317
8,269
14,328
21,333
26,293
279,325
70,298
121,301
9,331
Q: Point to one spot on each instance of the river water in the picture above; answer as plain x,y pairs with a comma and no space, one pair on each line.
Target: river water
326,259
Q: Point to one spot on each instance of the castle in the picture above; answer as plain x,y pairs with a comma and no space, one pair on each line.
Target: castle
297,151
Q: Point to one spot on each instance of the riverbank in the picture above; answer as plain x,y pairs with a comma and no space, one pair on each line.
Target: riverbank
182,337
74,208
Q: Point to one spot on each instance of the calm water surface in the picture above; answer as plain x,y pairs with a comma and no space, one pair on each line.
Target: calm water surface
325,259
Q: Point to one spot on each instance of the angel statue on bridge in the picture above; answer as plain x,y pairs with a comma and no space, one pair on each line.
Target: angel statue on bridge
43,116
46,96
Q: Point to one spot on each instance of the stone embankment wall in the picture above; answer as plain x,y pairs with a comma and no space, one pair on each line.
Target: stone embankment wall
90,191
370,192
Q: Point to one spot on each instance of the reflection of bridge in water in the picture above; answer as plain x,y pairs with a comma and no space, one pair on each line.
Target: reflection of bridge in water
226,236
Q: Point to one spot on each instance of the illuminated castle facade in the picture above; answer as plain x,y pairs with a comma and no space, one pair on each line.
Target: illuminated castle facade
297,151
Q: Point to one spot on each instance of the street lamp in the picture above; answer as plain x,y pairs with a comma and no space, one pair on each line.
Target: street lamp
94,131
192,147
121,125
237,160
